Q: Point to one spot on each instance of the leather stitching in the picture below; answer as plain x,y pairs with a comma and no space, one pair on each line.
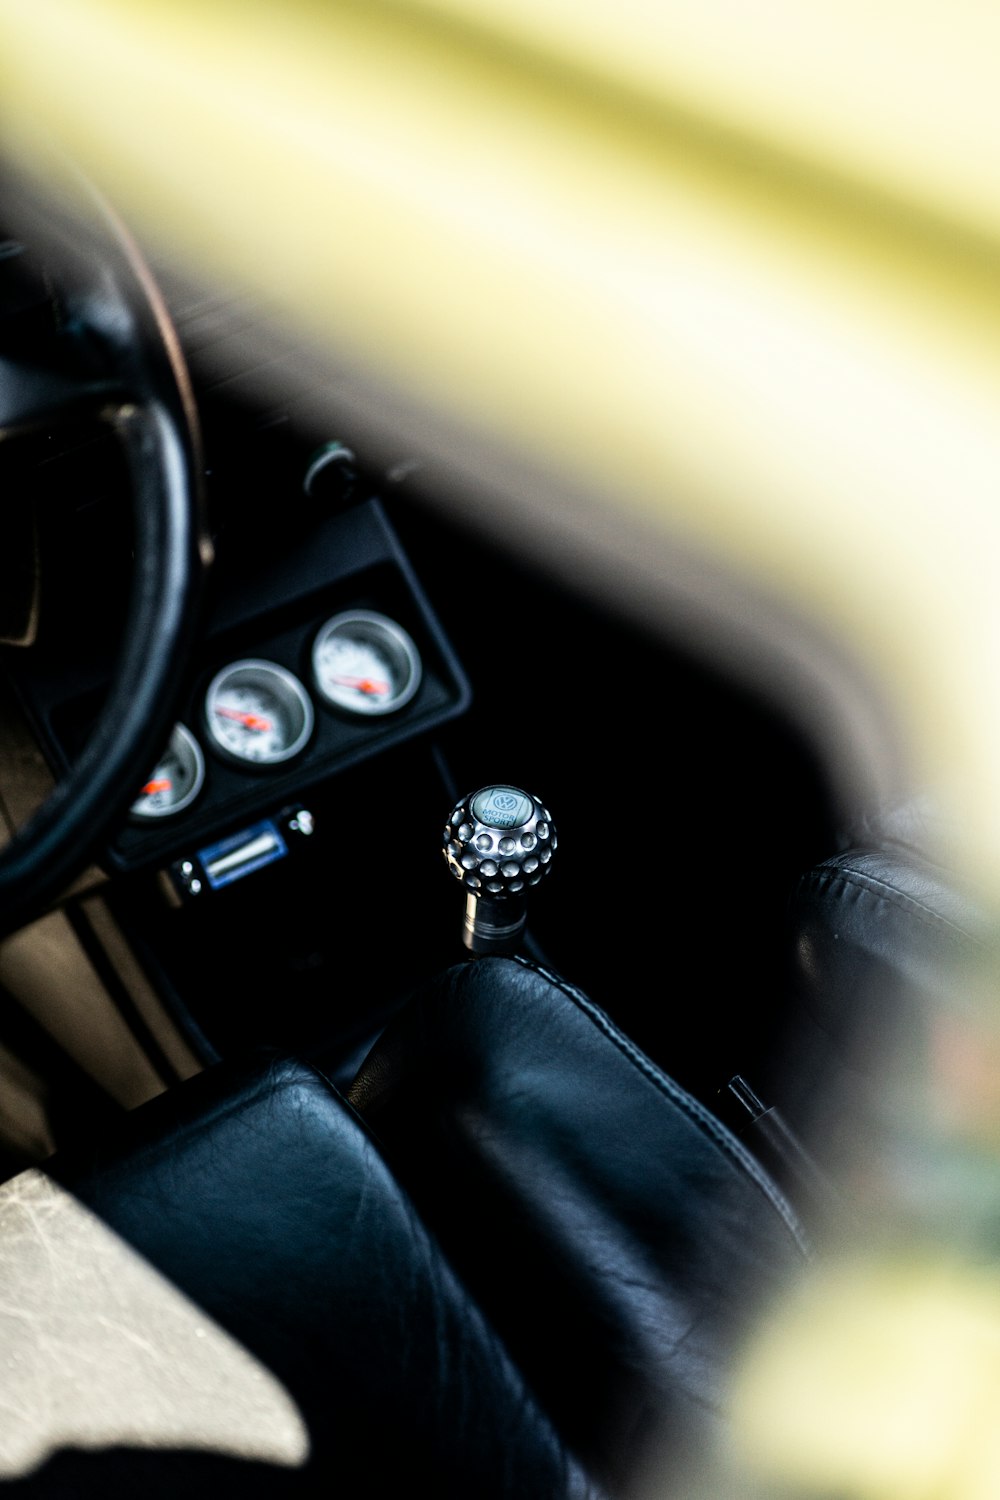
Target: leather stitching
827,876
727,1143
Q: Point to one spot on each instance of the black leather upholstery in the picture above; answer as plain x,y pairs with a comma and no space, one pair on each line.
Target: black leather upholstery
531,1285
615,1234
882,940
262,1197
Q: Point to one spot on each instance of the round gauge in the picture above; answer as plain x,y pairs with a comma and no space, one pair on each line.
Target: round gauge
365,663
176,780
258,712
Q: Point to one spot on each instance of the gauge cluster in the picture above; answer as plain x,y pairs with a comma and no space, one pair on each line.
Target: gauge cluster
286,700
257,714
326,653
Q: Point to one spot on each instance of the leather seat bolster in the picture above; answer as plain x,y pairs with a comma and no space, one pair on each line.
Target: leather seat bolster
878,937
617,1235
882,940
261,1195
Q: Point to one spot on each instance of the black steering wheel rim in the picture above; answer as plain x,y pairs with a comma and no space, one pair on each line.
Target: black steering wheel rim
125,367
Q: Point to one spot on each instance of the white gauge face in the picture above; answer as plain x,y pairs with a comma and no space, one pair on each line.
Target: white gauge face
258,712
365,663
176,780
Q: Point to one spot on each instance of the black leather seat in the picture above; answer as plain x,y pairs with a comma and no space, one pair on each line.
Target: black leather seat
885,948
260,1194
616,1234
522,1273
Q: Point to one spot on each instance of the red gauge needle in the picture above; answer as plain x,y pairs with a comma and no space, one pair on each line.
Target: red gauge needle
163,785
250,721
363,684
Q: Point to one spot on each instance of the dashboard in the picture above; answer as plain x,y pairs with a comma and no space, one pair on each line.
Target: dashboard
244,855
362,660
265,715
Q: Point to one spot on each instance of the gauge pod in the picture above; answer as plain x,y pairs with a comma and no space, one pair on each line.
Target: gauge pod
257,713
365,663
175,782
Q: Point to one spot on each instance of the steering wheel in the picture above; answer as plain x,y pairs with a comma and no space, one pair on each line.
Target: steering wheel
116,357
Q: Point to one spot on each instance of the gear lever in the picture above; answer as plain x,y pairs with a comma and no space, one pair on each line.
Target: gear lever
498,842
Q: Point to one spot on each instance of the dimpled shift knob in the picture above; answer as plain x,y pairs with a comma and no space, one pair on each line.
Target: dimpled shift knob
498,842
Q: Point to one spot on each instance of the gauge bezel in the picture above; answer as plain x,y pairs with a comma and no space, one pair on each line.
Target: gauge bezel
391,638
291,694
180,734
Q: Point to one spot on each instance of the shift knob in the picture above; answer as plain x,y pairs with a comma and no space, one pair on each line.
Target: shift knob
498,842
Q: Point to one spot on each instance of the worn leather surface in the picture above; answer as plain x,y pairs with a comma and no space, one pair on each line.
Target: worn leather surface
100,1349
619,1238
261,1197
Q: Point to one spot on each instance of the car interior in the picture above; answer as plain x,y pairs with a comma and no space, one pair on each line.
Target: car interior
561,694
485,1210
